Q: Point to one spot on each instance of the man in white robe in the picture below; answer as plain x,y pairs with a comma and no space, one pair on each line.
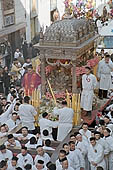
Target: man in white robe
104,144
27,113
3,132
24,158
47,145
7,114
5,154
13,163
65,165
46,124
81,162
13,121
12,142
104,76
86,134
39,165
89,83
82,145
24,135
96,155
61,156
109,141
65,120
41,155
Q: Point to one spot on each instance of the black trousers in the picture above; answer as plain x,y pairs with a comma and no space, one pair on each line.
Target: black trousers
102,93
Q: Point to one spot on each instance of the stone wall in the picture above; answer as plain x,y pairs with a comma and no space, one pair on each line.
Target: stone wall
19,11
1,17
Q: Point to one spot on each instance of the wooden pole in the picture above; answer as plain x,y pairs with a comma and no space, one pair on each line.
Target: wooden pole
68,98
75,115
51,91
78,111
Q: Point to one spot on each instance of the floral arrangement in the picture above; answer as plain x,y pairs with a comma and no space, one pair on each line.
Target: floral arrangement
92,63
47,105
61,95
79,6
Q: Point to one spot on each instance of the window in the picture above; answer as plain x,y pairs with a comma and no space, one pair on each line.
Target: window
108,41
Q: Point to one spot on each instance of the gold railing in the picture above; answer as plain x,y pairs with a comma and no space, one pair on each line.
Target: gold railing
74,103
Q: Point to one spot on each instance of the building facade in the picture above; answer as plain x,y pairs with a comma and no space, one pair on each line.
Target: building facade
12,26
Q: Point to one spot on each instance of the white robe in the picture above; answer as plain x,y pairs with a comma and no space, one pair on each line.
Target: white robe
45,158
111,85
80,157
10,167
27,113
83,146
6,115
46,124
48,148
109,141
3,134
16,142
104,73
89,82
105,145
75,160
11,124
65,121
34,168
7,155
59,164
28,145
60,168
85,135
24,160
96,154
21,135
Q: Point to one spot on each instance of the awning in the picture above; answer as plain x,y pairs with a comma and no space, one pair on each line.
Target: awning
10,29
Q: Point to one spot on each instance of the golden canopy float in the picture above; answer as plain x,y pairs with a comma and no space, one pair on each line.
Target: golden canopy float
65,46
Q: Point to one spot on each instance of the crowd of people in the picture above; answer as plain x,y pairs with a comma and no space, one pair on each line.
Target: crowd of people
86,149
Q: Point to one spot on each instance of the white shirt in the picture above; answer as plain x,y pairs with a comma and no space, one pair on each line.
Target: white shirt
27,113
21,135
12,124
86,135
10,167
7,155
104,73
16,54
3,134
45,158
48,148
65,121
33,146
83,146
24,160
59,164
96,154
65,114
46,124
60,168
34,168
104,144
16,142
6,115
